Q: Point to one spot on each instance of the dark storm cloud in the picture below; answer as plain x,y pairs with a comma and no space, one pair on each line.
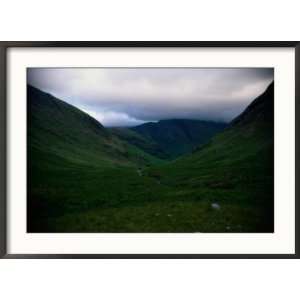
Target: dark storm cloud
125,97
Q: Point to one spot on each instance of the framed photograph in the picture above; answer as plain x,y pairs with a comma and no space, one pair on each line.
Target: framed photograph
149,149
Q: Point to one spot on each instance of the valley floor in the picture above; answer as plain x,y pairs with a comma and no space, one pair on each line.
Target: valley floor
141,200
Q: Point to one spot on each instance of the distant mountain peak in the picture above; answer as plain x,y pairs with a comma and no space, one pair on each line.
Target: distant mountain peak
178,136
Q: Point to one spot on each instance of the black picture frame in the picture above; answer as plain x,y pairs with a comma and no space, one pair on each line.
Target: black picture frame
4,46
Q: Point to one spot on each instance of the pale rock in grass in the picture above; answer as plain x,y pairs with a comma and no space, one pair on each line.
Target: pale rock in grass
216,206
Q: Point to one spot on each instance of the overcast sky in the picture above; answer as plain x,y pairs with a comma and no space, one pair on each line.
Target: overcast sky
128,97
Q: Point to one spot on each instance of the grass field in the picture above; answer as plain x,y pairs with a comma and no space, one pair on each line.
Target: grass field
120,200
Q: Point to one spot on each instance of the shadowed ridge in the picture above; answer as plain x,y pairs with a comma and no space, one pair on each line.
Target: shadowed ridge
236,167
176,137
38,99
262,108
59,131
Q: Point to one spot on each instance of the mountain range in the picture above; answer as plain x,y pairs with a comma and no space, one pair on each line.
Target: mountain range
156,177
59,134
169,139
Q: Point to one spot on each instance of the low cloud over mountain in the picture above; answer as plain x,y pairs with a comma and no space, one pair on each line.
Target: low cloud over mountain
128,97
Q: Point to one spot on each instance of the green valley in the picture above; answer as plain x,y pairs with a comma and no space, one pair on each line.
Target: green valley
177,176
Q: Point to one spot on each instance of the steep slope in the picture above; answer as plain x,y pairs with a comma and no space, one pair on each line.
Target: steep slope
245,146
74,163
178,136
140,141
235,167
59,134
260,110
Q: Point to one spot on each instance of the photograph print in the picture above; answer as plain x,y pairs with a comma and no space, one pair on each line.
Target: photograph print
150,150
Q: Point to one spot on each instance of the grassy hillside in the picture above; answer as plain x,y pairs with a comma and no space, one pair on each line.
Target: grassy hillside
65,147
235,167
225,185
144,143
59,131
178,136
